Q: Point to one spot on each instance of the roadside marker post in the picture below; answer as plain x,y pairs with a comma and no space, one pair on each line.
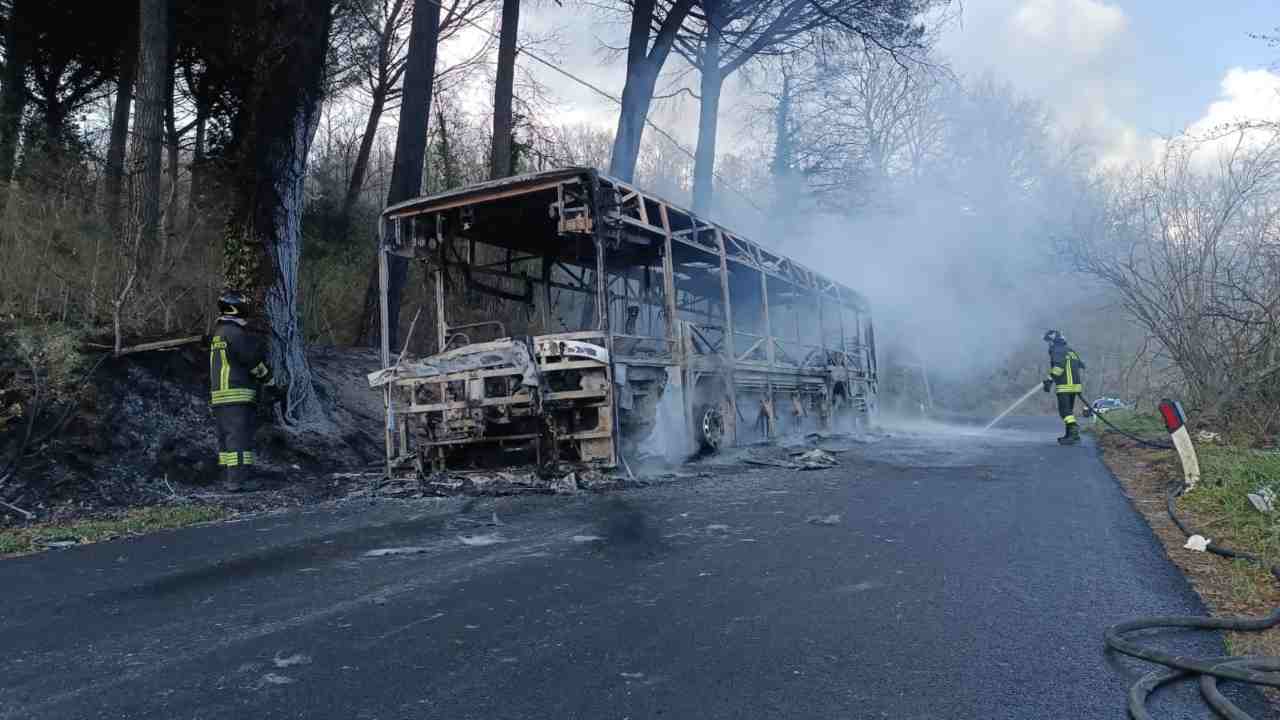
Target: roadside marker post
1176,422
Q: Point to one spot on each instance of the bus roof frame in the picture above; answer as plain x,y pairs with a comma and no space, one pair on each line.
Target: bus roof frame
634,212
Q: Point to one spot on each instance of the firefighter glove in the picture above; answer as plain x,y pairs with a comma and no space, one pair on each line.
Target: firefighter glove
1048,384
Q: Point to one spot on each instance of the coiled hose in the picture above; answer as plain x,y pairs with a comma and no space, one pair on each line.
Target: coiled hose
1259,671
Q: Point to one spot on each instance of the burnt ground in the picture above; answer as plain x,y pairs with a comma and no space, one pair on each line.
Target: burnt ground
932,574
141,434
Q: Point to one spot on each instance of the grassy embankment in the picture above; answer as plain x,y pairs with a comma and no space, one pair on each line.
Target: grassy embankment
137,521
1218,509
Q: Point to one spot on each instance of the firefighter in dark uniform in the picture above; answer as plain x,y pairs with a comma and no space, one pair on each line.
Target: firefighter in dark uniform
237,366
1066,376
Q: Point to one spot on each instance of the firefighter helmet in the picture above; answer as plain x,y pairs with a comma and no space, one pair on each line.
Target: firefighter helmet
1053,336
233,303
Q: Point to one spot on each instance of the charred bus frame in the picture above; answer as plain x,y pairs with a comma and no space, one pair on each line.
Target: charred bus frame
666,302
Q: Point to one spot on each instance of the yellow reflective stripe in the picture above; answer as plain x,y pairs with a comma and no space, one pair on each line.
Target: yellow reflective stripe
247,458
1055,371
1068,363
1070,419
1065,388
228,459
225,378
234,395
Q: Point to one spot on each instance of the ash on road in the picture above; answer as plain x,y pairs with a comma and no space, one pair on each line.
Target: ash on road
930,575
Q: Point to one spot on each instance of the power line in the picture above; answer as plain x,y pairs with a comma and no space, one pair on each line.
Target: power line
604,93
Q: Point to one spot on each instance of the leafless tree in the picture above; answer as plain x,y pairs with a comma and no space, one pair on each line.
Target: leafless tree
727,34
1190,248
411,148
383,68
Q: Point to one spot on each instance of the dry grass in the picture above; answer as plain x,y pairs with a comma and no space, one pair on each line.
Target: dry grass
138,521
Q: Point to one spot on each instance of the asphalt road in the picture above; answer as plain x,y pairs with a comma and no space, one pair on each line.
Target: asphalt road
964,577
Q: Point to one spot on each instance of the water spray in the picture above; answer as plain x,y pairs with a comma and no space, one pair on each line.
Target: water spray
1012,407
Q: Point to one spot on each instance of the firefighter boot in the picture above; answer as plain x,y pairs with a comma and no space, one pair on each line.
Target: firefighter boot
1072,437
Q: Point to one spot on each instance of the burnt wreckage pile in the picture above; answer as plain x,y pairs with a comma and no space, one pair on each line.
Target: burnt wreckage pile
603,308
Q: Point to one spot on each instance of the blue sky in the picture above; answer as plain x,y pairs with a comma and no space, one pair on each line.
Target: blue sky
1151,66
1187,48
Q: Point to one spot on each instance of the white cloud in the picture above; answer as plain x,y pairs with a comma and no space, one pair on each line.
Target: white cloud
1074,30
1246,97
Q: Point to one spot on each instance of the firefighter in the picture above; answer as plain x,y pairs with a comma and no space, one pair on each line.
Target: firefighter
1066,373
237,366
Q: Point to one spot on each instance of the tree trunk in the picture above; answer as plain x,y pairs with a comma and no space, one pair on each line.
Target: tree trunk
415,104
195,191
637,95
171,139
643,66
785,181
148,142
448,165
704,163
275,129
783,143
14,99
500,165
169,200
54,115
410,157
114,181
361,167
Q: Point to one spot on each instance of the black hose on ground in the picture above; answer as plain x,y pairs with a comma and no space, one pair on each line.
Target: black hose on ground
1140,440
1260,671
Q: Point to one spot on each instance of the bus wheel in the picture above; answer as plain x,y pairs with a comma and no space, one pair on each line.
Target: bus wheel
710,427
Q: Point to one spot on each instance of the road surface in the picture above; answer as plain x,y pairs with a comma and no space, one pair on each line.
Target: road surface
931,575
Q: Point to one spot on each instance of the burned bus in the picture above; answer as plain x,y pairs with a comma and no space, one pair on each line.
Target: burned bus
616,316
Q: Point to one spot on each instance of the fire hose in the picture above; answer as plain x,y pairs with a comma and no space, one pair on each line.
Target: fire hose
1252,670
1140,440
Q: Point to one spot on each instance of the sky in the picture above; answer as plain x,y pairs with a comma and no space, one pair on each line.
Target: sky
1129,71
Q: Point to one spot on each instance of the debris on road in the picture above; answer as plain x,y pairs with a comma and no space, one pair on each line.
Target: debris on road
275,679
816,459
560,480
833,519
384,552
566,485
793,458
772,463
290,661
481,540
